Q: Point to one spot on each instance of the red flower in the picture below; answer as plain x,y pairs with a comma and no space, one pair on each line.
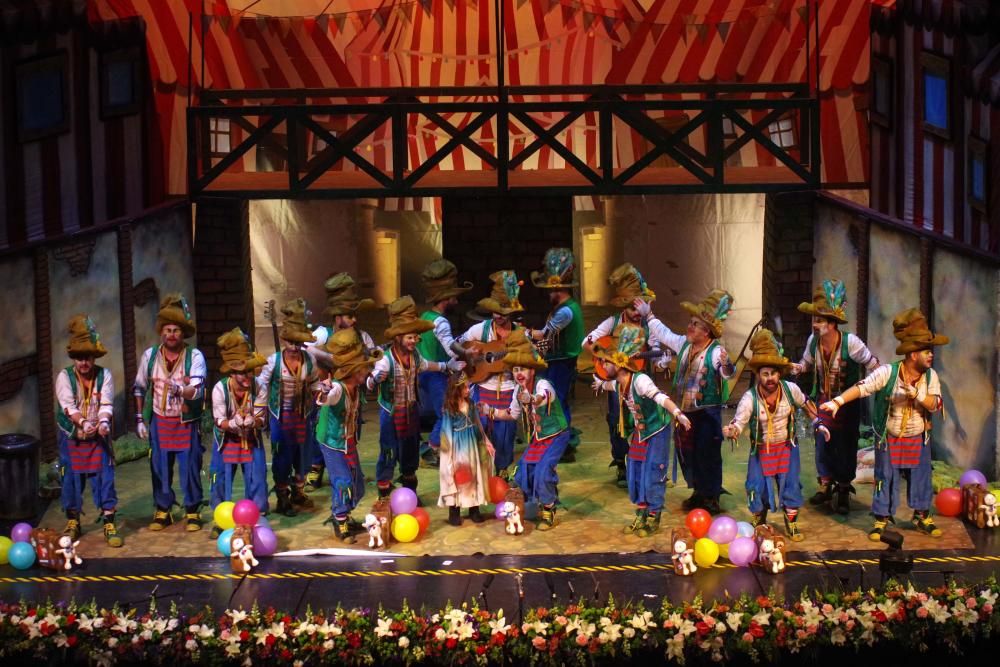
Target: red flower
763,601
269,640
70,619
244,635
286,655
756,630
353,639
480,650
879,616
71,640
451,643
702,627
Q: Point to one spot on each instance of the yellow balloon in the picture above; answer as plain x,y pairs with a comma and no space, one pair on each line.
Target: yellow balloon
223,515
724,549
405,527
5,544
706,552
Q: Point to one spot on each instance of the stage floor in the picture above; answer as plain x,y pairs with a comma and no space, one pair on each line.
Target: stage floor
594,511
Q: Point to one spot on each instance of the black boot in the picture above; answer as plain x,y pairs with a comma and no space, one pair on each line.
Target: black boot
410,482
621,478
455,515
842,501
285,506
694,502
759,518
475,515
712,506
300,498
72,529
823,494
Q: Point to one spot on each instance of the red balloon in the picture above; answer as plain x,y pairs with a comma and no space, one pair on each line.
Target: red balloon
423,519
948,502
463,475
698,522
498,489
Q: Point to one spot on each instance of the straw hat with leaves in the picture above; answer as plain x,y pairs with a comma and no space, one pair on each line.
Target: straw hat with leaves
174,310
557,270
84,341
522,352
624,348
503,298
403,318
712,310
238,355
348,354
911,330
766,352
440,279
629,285
828,301
342,296
295,328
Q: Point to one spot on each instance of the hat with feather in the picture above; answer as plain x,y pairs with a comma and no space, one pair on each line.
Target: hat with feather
828,301
712,310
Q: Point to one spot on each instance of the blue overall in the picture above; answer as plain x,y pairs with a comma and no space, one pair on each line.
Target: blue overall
770,491
394,447
347,482
539,480
290,443
646,470
222,475
102,481
188,460
560,374
889,479
432,387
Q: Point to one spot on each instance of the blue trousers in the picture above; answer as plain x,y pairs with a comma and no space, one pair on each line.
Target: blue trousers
501,434
161,465
290,452
102,482
432,386
647,479
347,482
561,373
761,490
393,449
539,480
837,459
222,475
619,446
889,479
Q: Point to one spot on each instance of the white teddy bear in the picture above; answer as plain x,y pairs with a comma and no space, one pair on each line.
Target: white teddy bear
374,528
989,506
684,558
244,552
513,517
67,547
770,557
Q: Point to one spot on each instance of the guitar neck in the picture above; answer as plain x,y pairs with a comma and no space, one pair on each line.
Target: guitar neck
277,341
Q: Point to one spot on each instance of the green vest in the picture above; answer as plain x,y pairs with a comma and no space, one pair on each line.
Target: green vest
192,409
274,387
653,417
430,347
569,341
330,426
880,407
386,388
714,391
552,421
754,425
218,435
852,369
62,419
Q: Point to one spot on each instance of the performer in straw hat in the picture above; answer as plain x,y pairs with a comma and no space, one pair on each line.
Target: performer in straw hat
441,290
498,390
343,305
237,421
169,398
646,424
545,421
337,426
768,408
396,373
907,393
838,360
85,393
630,289
563,330
288,395
703,366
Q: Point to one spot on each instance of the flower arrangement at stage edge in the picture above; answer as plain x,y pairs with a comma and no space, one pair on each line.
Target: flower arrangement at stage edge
762,629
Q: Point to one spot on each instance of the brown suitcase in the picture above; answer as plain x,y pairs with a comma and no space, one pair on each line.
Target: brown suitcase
973,496
46,544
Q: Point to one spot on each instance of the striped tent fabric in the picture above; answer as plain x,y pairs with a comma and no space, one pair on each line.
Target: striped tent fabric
405,43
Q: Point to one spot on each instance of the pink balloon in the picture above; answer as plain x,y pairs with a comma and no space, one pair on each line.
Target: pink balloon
742,551
723,530
245,513
21,532
265,542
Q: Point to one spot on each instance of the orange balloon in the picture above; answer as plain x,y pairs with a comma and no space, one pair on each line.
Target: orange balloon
948,502
698,522
498,489
423,519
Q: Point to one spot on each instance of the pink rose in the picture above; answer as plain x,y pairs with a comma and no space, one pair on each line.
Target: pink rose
801,634
850,624
843,617
971,603
562,620
747,637
922,612
828,608
539,643
581,640
988,608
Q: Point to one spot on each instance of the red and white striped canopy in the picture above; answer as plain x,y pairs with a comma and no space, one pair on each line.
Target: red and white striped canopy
404,43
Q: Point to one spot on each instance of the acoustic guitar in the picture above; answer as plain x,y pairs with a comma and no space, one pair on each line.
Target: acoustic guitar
484,359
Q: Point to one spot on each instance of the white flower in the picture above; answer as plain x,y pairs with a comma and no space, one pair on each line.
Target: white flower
440,634
327,629
328,644
641,622
936,610
629,633
191,645
499,626
404,642
124,626
202,631
733,620
237,616
537,626
146,634
112,642
298,663
61,640
811,614
87,623
436,618
464,631
305,629
52,619
382,628
837,637
233,649
762,617
988,596
610,632
963,614
675,647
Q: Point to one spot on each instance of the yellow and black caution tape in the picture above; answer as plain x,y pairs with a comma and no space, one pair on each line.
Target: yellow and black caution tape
336,574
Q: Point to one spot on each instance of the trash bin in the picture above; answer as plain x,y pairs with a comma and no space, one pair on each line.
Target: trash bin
18,476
